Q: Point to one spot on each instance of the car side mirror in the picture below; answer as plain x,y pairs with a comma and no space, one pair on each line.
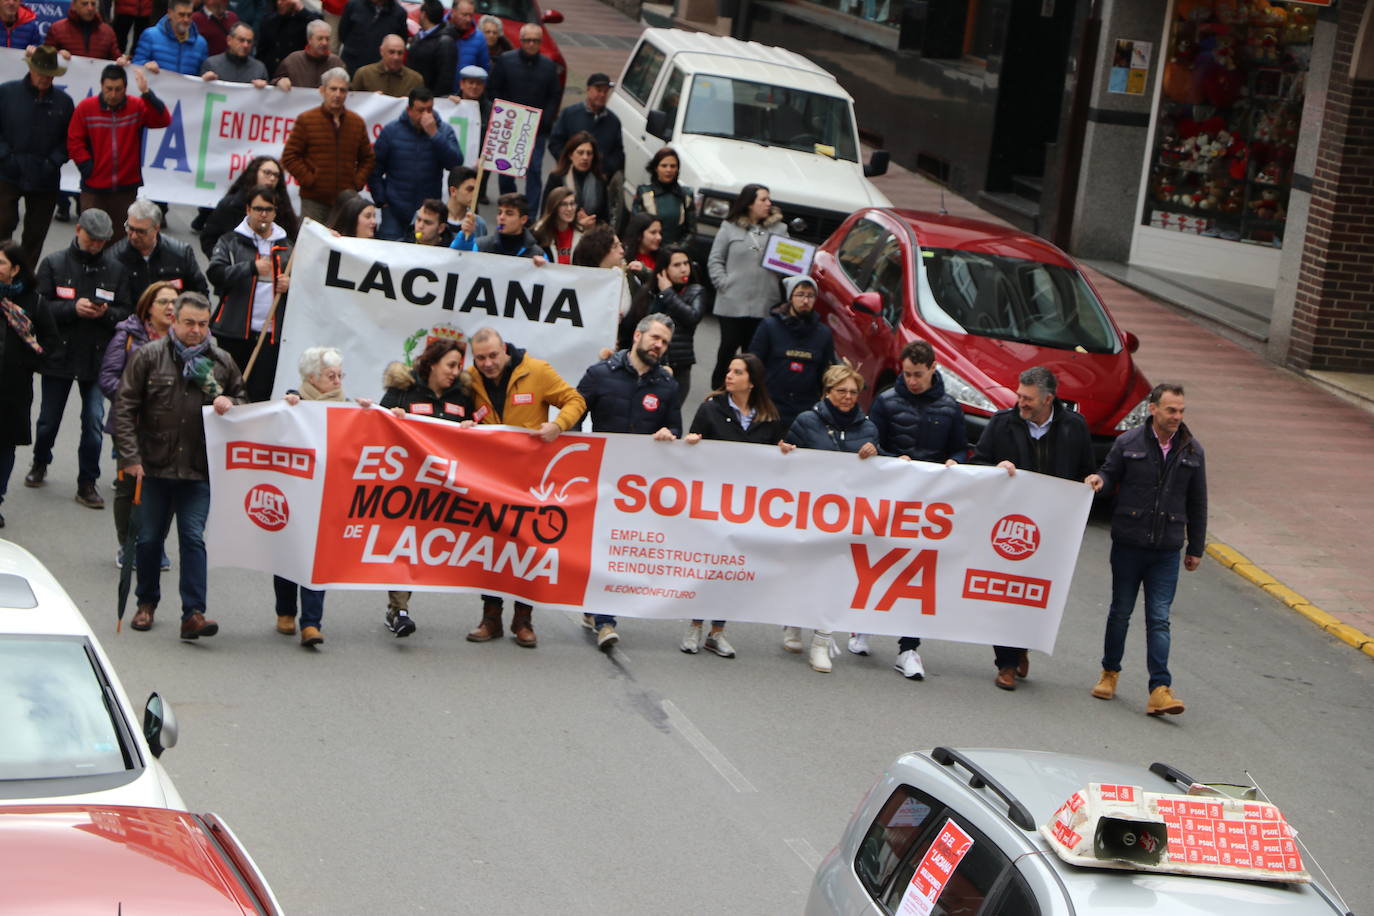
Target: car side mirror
657,124
868,304
1132,342
798,226
552,17
877,163
159,725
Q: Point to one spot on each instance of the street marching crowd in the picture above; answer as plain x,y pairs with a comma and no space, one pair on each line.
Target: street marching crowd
125,313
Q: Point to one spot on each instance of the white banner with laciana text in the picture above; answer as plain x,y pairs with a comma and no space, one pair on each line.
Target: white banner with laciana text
380,302
219,127
341,496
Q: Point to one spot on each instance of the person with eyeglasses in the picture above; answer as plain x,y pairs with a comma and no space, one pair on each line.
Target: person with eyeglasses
148,256
528,77
836,423
247,270
228,213
796,348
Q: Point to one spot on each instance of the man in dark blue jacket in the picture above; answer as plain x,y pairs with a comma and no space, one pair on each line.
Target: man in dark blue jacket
31,159
796,349
1040,434
1161,479
529,78
630,392
596,119
413,153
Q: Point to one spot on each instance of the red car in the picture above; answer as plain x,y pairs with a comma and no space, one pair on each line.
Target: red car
513,14
82,859
991,300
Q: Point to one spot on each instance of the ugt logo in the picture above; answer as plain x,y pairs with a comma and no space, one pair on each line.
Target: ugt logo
1015,537
266,507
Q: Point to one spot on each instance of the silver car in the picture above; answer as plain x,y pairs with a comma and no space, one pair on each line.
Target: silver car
995,802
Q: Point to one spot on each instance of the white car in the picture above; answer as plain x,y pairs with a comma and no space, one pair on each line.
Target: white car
738,112
67,730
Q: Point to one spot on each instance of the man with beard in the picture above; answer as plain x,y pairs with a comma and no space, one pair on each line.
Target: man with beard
629,392
796,349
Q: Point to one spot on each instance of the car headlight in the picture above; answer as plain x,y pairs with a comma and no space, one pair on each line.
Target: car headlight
959,388
715,207
1137,417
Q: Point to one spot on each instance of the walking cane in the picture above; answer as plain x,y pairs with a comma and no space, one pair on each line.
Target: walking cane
271,321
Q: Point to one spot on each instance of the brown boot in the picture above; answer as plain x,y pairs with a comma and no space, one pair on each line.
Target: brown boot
490,627
1006,678
143,617
1162,700
286,626
521,627
311,636
1106,685
1023,664
198,625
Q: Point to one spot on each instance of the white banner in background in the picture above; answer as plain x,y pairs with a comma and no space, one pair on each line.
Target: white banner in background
378,302
218,128
338,496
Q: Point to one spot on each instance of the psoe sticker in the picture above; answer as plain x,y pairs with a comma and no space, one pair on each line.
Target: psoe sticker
266,507
650,402
1015,537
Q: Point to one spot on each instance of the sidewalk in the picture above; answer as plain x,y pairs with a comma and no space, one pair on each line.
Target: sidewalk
1290,466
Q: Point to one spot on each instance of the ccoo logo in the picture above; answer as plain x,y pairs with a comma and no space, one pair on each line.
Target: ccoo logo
1015,537
266,507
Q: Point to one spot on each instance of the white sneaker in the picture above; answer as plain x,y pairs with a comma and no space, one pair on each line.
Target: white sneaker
606,636
791,639
909,663
691,639
821,649
858,644
716,642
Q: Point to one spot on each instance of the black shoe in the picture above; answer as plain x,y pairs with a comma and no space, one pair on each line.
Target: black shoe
2,521
88,495
399,622
37,475
63,214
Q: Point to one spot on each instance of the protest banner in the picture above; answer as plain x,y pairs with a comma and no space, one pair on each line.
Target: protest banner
340,496
510,138
219,127
380,301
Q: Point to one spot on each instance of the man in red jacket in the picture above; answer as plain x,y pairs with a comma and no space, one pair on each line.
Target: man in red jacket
106,141
84,34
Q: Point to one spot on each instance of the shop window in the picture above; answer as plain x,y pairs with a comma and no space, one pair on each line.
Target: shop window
1221,160
883,12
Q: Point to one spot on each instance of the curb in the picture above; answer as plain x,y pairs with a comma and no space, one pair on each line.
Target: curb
1238,563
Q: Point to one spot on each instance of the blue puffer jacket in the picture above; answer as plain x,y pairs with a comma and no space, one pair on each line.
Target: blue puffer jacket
822,427
472,51
926,427
1160,499
411,164
620,400
23,33
160,44
795,353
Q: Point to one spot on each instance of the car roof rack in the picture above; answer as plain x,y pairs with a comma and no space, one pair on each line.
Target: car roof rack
1172,773
980,778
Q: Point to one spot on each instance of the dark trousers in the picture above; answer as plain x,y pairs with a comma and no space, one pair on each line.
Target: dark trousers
500,604
1006,656
259,384
55,392
908,642
38,210
312,602
123,22
6,469
1157,570
735,336
115,203
683,375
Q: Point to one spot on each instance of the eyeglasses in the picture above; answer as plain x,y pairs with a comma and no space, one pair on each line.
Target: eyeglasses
263,209
531,41
845,392
803,295
134,230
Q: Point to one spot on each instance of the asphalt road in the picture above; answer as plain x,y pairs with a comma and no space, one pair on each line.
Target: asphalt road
430,775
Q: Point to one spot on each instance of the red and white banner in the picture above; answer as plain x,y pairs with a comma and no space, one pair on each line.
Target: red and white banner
337,496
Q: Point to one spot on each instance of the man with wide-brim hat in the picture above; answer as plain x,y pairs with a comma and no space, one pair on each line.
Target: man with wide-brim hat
31,159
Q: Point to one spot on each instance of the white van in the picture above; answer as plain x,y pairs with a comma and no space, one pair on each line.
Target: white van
738,112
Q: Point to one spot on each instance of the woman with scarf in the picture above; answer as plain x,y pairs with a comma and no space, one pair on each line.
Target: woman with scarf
665,198
579,170
321,371
29,332
437,387
151,320
836,424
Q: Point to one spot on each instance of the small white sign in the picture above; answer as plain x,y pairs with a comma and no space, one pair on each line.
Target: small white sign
792,257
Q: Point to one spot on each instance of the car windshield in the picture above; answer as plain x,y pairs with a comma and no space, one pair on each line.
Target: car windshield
1014,299
54,716
719,106
516,10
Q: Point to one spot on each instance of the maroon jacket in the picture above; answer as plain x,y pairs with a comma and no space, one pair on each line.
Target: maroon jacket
80,38
215,31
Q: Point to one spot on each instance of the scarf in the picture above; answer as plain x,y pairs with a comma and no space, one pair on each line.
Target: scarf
310,393
19,319
197,367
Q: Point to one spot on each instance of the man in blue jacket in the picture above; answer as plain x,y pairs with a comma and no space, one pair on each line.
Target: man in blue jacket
596,119
1161,479
173,43
796,349
413,153
630,392
471,43
529,78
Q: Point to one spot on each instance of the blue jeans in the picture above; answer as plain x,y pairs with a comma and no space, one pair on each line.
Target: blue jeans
600,620
1158,571
189,501
534,179
55,391
312,602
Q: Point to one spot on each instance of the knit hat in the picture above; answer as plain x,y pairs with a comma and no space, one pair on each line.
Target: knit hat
791,283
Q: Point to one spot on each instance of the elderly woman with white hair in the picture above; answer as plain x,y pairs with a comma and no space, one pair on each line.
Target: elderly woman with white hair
321,380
